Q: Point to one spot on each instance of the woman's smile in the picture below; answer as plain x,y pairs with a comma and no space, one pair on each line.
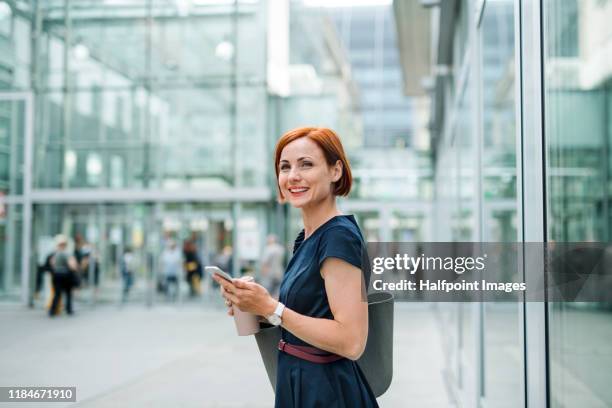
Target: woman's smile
297,191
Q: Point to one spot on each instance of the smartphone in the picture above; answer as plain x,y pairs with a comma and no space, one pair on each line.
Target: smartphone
213,270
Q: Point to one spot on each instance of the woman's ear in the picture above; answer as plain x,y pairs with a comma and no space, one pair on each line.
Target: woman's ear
337,171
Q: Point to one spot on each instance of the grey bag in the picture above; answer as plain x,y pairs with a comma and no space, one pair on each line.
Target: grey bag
377,359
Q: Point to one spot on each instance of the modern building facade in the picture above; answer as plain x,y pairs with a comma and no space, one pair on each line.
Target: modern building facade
128,122
132,121
392,166
520,95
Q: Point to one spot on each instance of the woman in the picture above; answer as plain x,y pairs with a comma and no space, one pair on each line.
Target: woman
321,309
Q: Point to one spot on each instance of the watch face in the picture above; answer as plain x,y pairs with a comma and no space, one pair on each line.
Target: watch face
274,319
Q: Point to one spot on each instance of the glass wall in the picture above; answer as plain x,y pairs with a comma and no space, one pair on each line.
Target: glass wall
12,130
130,97
476,198
578,131
13,113
503,376
11,230
456,211
146,229
151,95
142,104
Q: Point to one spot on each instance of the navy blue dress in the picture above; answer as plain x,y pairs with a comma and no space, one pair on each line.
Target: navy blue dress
301,383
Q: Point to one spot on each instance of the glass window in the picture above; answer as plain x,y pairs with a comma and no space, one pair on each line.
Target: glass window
578,97
460,37
254,152
158,95
192,48
11,230
6,16
464,145
101,123
195,142
12,136
503,375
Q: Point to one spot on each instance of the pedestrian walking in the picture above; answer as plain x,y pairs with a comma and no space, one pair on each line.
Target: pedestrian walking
171,261
127,273
193,267
64,266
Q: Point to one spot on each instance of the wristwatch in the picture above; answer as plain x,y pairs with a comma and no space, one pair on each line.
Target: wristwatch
275,318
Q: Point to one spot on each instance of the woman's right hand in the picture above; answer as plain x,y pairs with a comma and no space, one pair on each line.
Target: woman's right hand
228,303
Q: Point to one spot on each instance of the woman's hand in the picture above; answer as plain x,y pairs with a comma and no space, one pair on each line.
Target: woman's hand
228,303
247,296
230,309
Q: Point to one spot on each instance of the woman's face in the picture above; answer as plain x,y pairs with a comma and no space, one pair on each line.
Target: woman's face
304,177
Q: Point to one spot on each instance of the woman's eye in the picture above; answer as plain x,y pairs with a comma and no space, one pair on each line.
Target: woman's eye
306,164
284,167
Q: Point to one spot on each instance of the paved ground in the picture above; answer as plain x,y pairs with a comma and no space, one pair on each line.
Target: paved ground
183,355
187,354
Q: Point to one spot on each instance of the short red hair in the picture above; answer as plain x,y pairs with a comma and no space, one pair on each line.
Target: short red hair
332,148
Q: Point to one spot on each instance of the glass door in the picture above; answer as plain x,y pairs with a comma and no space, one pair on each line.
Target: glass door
502,371
577,110
15,135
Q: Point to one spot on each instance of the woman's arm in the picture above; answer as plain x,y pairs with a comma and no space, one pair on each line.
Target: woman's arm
345,335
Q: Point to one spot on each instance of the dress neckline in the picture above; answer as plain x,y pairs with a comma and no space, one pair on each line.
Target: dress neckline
301,238
324,224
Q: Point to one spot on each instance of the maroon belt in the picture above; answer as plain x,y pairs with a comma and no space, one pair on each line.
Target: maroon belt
312,354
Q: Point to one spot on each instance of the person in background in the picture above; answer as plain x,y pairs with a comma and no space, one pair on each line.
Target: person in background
171,262
79,255
84,252
272,265
41,269
46,267
64,266
193,267
90,262
127,272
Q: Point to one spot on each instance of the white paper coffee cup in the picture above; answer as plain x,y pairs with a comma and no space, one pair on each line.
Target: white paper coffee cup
246,323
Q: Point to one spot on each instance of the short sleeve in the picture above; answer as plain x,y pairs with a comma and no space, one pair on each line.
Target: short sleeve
342,243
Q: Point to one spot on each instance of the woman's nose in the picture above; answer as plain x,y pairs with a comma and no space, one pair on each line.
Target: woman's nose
294,174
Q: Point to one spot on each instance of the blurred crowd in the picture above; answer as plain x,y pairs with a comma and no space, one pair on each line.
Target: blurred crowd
74,265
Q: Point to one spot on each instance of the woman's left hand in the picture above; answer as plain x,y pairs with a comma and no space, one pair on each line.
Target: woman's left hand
248,296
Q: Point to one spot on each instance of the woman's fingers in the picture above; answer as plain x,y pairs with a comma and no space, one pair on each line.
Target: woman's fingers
233,298
226,287
244,284
240,293
226,292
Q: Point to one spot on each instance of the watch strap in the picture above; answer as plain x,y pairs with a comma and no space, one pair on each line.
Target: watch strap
279,309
